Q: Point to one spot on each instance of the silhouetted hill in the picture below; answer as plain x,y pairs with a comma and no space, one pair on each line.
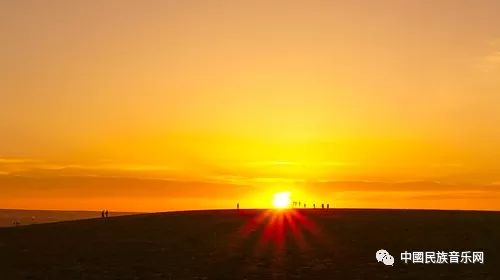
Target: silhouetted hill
251,244
29,217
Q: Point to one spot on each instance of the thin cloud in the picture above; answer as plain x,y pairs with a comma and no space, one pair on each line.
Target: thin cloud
491,61
494,58
17,160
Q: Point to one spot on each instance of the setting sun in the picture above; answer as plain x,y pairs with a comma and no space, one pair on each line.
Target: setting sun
281,200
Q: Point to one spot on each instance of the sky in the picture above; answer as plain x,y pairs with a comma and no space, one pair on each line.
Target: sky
167,105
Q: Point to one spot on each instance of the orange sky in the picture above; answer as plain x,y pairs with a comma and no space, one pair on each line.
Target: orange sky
161,105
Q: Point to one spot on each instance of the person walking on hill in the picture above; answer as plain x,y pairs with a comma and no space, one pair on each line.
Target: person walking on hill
102,214
107,213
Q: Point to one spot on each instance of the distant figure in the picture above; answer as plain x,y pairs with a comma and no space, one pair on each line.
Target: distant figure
328,206
299,203
102,214
238,206
107,213
314,205
322,206
305,205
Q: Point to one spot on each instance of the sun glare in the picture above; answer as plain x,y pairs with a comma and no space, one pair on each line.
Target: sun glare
281,200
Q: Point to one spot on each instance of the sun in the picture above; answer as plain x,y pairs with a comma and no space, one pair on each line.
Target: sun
281,200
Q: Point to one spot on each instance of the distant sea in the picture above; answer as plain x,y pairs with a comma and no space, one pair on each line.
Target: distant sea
9,217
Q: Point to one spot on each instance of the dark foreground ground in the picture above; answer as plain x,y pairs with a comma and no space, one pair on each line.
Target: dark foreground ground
307,244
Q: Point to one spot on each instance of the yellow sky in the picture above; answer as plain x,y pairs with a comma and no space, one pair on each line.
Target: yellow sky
196,104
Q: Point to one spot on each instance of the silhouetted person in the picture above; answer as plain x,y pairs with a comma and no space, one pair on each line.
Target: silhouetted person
299,203
322,206
107,213
305,206
238,206
328,206
314,205
102,214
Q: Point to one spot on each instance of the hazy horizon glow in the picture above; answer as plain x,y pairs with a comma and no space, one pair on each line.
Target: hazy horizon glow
165,105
